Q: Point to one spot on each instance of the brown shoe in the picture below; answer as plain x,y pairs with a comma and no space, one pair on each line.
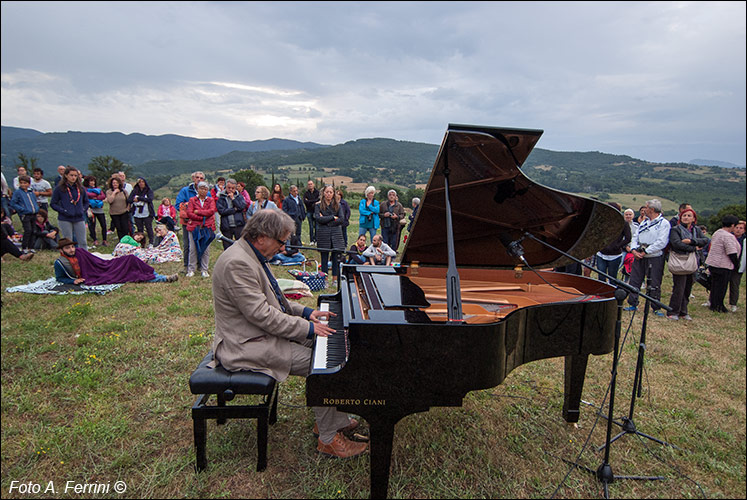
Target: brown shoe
348,428
341,447
26,257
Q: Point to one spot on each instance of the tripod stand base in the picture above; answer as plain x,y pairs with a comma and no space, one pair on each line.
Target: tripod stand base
628,427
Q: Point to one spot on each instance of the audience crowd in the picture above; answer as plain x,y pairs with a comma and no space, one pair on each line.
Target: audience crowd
648,246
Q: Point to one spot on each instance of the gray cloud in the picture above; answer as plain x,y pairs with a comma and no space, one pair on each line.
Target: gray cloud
662,81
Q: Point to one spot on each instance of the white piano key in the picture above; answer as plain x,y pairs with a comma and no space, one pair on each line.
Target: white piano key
320,352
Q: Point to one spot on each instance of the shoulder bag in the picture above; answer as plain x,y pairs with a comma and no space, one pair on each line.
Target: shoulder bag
683,263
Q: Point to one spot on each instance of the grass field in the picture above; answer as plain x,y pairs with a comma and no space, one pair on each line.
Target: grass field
95,391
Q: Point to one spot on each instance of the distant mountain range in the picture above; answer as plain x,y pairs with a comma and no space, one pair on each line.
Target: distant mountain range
77,148
714,163
378,161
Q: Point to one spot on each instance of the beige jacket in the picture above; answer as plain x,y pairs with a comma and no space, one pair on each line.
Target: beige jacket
251,330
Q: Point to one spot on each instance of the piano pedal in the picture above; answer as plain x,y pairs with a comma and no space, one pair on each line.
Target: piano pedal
359,435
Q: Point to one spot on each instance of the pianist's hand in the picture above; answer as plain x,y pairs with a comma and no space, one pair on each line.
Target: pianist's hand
322,329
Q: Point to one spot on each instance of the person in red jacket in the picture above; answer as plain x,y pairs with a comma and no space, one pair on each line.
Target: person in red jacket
167,214
201,228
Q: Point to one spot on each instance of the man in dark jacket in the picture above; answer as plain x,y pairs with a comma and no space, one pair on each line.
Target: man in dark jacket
295,207
310,198
231,206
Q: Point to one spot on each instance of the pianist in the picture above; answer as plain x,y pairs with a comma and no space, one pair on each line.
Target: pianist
257,328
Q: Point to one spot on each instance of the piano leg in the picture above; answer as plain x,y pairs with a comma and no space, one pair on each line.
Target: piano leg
575,372
381,435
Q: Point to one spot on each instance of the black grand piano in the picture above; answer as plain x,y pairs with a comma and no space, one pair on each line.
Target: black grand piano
463,309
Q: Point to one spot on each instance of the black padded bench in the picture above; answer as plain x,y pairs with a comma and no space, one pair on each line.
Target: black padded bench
225,385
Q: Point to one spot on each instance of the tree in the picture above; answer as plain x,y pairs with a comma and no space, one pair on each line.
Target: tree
714,222
250,178
28,163
102,167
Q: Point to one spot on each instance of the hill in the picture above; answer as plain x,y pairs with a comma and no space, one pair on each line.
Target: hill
408,164
77,148
379,161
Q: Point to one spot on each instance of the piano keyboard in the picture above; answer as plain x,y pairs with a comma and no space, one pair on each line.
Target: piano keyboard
330,352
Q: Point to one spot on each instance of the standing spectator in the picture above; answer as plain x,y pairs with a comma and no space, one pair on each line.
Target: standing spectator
45,234
41,188
126,185
390,214
345,212
70,201
182,199
141,207
117,200
368,209
625,268
277,196
24,203
241,188
610,257
231,207
311,198
415,207
648,245
262,200
736,274
220,186
684,238
60,175
329,217
641,214
294,206
676,219
722,258
166,214
21,170
6,193
96,199
201,215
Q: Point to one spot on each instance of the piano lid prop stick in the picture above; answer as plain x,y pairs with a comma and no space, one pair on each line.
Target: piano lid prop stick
453,289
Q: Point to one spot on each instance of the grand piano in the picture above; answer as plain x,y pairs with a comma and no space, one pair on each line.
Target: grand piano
466,307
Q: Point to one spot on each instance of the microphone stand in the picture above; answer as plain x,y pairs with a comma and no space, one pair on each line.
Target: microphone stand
628,425
604,472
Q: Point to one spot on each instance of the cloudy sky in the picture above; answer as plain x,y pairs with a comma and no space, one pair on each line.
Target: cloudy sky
661,81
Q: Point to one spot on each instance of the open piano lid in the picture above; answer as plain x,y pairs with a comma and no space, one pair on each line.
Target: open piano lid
492,199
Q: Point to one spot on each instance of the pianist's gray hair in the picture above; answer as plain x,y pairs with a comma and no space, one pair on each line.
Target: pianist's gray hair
655,204
271,223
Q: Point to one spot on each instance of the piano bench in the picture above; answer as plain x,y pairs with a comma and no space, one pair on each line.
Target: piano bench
225,385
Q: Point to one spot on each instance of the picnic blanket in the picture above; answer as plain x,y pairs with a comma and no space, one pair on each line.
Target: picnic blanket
53,287
294,289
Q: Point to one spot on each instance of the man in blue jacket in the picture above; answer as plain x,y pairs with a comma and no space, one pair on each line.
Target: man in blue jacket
187,192
24,203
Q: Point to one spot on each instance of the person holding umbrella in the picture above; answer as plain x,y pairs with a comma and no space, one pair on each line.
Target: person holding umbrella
201,229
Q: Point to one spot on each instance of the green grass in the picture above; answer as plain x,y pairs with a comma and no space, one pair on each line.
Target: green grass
94,389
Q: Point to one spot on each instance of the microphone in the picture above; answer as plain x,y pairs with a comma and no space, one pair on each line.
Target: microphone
513,247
